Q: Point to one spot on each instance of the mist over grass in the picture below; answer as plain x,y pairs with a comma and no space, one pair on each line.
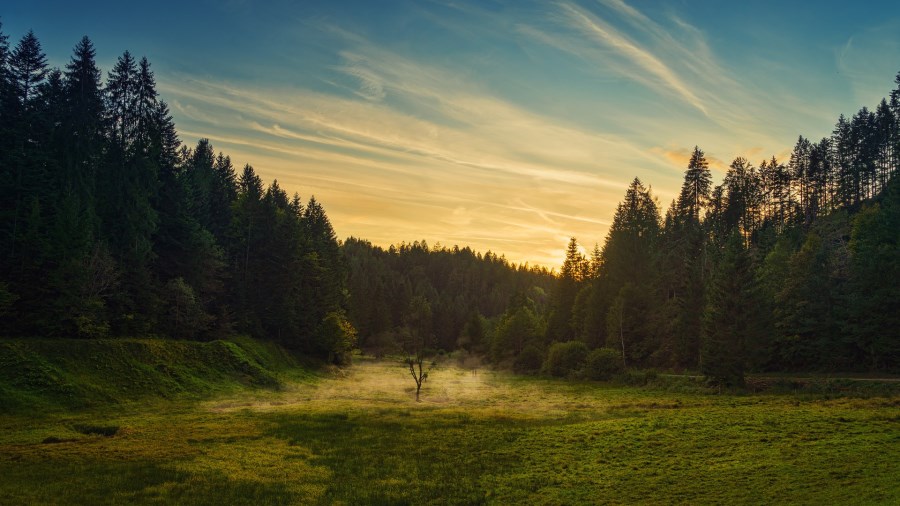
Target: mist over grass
357,436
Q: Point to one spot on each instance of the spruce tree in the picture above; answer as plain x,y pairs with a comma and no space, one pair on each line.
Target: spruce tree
695,191
874,310
730,324
630,276
560,326
83,139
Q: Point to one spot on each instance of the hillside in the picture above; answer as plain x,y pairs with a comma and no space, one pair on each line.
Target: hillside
48,374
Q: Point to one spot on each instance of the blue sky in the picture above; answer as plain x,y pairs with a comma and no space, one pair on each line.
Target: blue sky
502,125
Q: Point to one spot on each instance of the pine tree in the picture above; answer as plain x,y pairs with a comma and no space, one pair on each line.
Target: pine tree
28,69
27,66
743,198
874,309
121,102
146,106
83,139
629,273
560,326
695,191
844,148
4,72
731,324
129,184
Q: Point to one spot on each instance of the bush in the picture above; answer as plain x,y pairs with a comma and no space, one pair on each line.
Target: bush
565,359
603,364
529,361
337,338
638,378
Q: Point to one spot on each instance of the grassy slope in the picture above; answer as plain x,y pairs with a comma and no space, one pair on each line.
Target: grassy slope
65,373
359,438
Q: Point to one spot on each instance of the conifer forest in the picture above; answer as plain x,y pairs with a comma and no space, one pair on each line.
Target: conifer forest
175,328
113,227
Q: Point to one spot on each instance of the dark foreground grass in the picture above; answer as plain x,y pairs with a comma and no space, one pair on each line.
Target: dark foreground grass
359,438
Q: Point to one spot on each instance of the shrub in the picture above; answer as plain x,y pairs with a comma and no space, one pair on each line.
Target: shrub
565,359
638,377
603,364
529,361
337,338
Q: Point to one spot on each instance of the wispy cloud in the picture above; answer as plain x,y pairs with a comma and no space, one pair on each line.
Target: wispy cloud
403,145
371,87
672,58
419,141
862,58
651,70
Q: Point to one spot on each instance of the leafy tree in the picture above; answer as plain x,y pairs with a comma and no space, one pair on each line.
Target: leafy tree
602,364
565,359
529,361
338,337
518,328
473,336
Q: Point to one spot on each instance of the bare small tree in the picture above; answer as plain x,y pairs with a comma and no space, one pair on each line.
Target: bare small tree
417,371
417,335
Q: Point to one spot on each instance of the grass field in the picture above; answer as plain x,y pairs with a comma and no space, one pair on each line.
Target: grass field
357,437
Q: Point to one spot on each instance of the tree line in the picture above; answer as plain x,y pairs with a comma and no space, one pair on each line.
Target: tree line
439,298
111,226
781,267
784,266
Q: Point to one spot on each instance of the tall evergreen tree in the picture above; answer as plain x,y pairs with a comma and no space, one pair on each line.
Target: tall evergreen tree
629,273
560,327
28,69
731,324
695,191
129,185
874,309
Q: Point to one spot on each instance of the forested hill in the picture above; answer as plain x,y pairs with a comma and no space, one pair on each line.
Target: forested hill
783,266
451,297
110,226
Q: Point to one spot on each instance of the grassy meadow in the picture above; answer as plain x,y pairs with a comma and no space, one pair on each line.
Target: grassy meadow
356,436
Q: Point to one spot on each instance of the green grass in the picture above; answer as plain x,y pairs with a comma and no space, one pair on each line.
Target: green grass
358,437
74,374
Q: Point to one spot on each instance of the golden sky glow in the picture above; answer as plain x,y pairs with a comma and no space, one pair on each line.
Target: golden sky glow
504,126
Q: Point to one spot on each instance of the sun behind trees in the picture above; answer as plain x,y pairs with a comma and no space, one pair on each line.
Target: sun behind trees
772,270
111,227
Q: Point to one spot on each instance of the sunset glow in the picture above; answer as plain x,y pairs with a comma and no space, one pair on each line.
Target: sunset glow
503,126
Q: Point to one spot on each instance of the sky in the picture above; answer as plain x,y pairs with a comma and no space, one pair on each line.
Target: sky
507,126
